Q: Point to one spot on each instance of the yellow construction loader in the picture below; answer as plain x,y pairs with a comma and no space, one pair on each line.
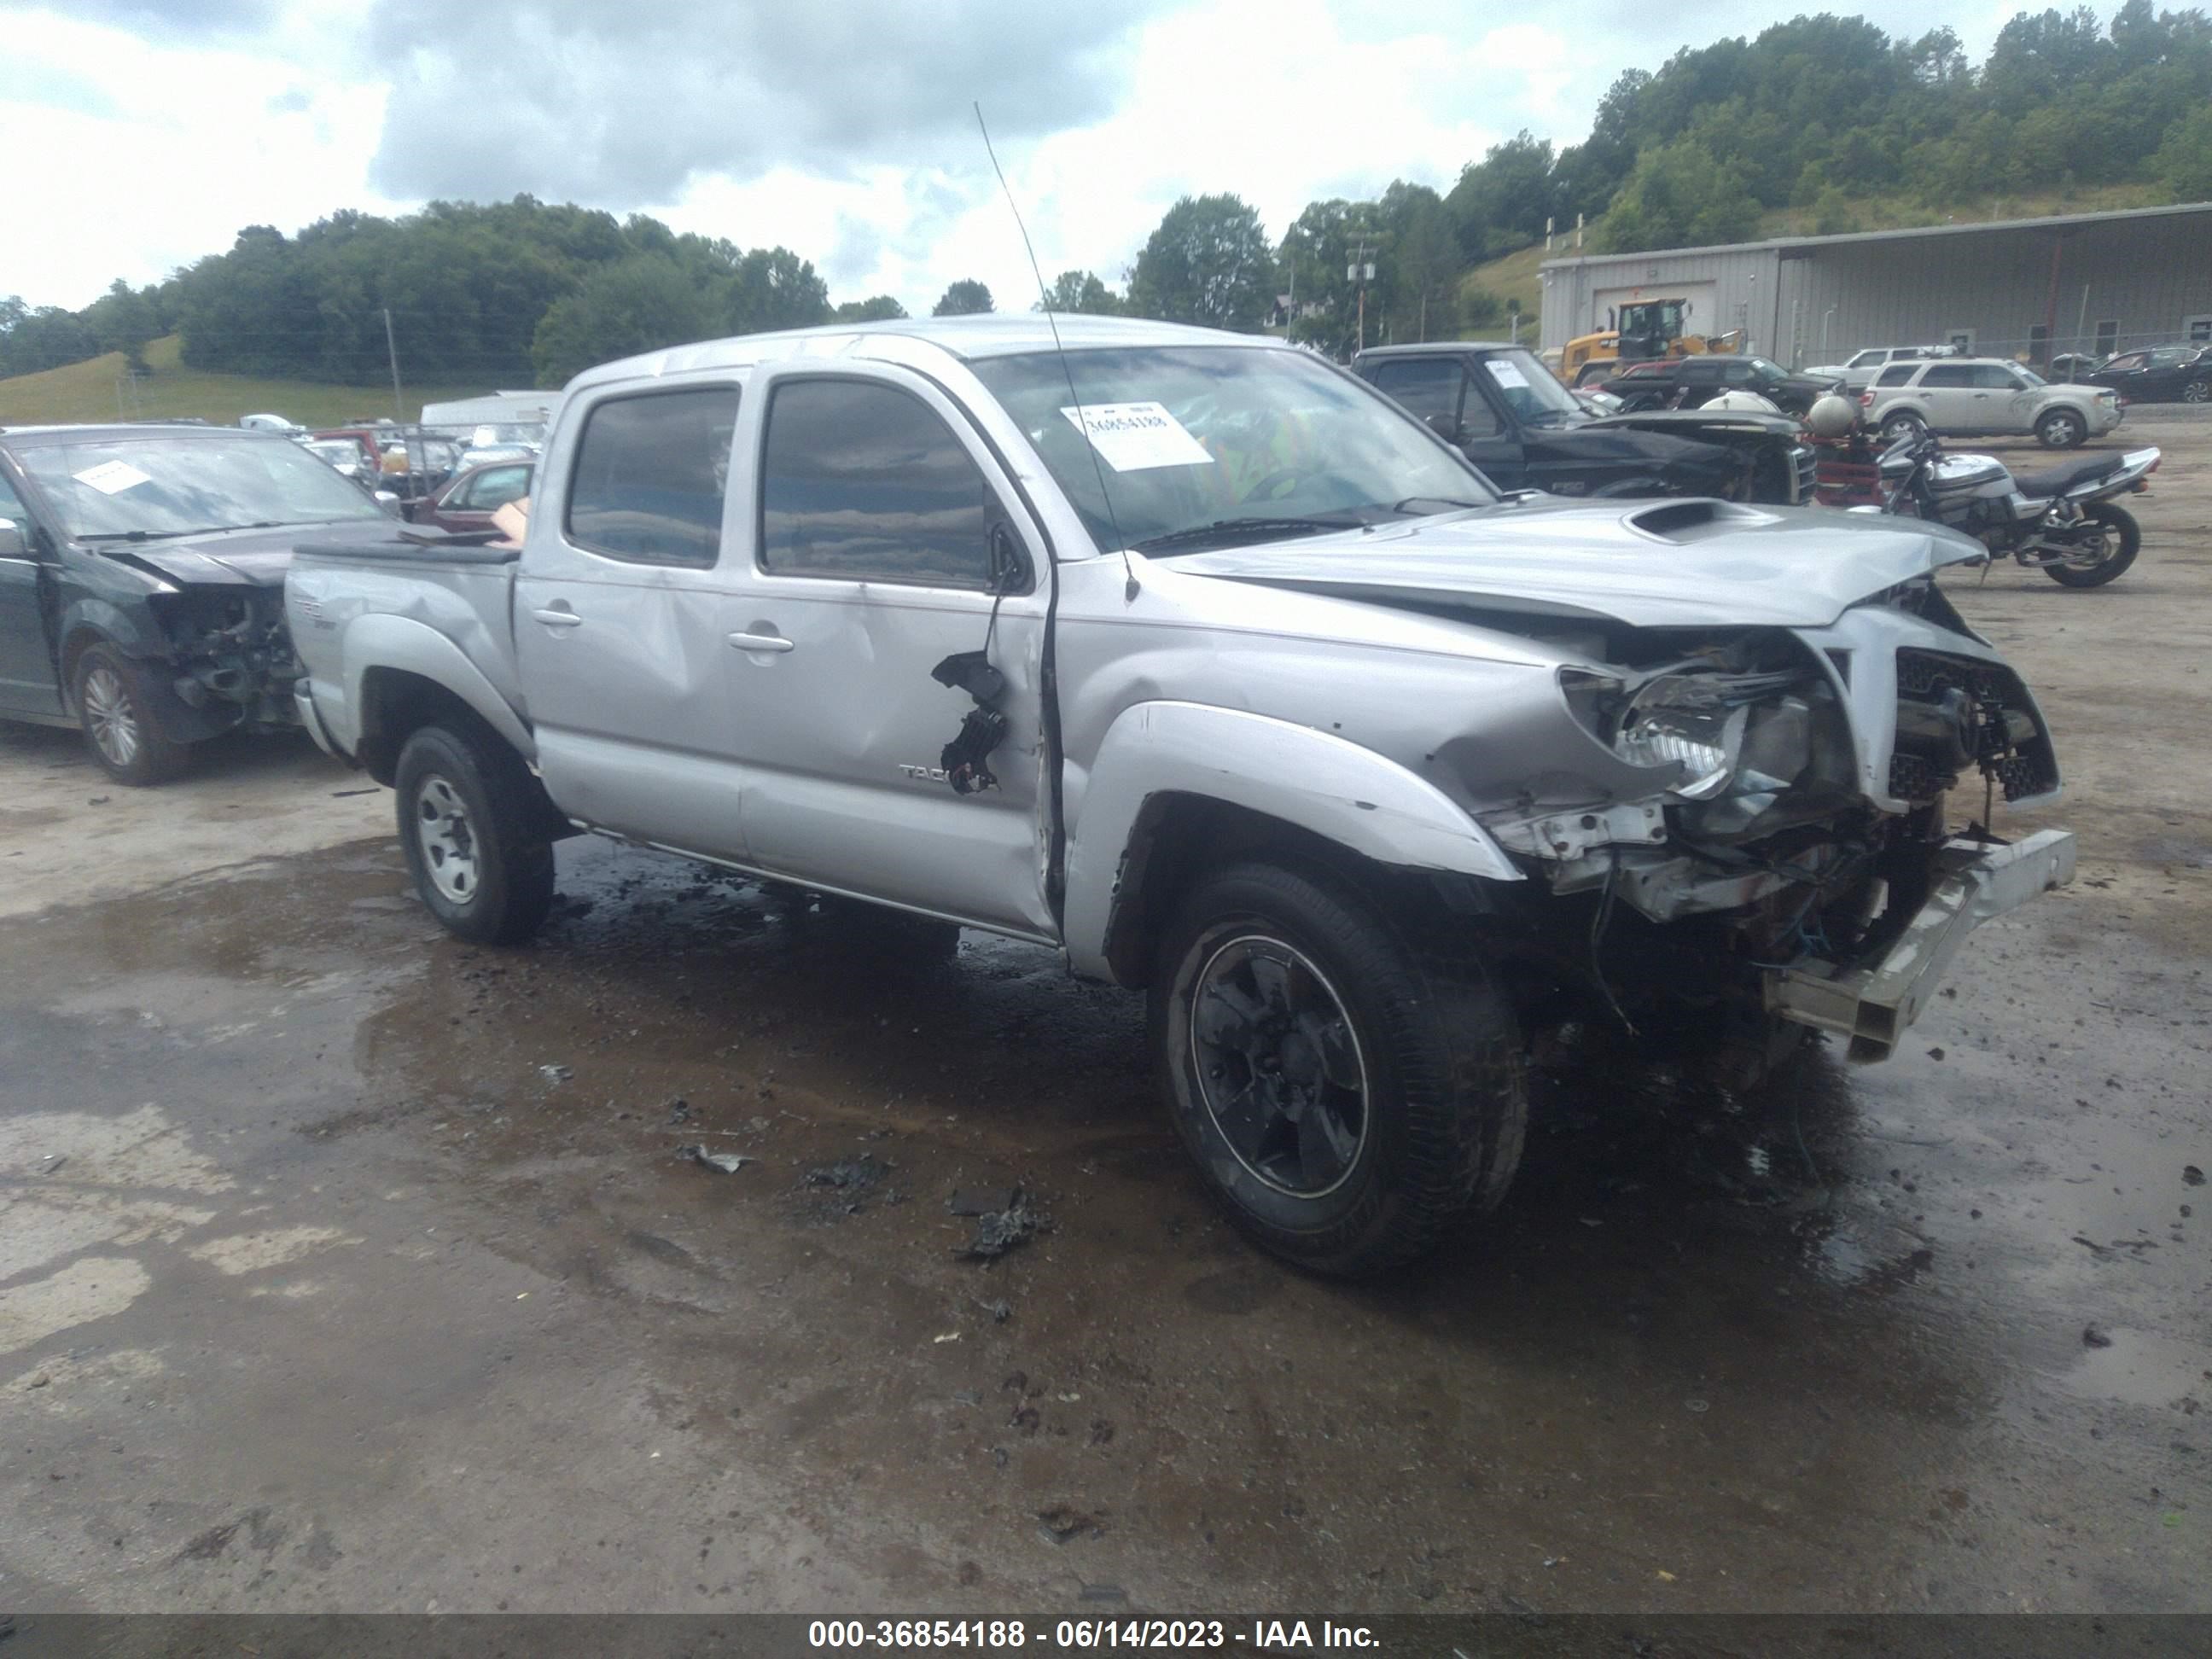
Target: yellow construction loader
1637,331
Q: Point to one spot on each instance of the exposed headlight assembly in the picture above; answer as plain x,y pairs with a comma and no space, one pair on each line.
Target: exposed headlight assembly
1716,729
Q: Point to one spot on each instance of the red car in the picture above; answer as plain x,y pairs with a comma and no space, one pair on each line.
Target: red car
468,499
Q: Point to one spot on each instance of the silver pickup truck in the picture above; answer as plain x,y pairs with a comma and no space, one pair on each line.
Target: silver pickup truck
1193,657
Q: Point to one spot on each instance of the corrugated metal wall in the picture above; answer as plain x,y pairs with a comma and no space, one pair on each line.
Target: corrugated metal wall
1742,279
1813,304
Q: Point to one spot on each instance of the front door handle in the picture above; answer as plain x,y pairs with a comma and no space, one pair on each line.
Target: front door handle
559,618
760,642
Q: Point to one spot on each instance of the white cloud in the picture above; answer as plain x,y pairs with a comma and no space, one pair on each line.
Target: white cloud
153,147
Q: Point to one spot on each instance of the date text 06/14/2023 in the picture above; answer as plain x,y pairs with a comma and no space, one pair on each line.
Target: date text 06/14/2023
1258,1635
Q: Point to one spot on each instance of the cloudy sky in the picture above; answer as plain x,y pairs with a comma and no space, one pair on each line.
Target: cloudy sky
146,132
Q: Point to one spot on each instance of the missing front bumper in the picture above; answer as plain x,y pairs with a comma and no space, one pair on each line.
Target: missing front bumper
1873,1005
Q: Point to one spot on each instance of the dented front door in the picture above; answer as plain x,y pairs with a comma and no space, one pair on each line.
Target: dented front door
877,509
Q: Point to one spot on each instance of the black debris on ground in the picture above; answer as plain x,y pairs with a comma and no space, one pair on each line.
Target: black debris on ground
2092,1337
1000,1232
849,1174
982,1200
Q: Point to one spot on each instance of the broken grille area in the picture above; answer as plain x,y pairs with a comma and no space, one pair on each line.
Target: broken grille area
1957,711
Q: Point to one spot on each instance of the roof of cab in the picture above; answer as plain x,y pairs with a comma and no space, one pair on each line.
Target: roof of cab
108,431
963,339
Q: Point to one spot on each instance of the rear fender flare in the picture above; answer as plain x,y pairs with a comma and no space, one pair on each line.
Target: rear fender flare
380,641
1319,782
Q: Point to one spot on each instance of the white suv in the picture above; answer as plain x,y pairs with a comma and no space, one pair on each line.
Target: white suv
1859,372
1986,395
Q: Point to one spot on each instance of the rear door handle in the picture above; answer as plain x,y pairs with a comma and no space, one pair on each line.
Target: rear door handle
559,618
760,642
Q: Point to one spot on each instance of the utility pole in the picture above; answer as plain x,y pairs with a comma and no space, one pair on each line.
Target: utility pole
391,350
1362,271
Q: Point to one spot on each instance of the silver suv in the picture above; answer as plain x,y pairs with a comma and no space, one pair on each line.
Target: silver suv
1974,395
1858,373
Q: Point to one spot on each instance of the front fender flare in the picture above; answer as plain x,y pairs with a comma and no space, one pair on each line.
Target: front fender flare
380,639
1314,780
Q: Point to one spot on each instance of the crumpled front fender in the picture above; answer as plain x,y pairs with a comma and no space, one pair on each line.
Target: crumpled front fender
1362,801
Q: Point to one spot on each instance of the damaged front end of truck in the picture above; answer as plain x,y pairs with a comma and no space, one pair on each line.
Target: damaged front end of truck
1800,860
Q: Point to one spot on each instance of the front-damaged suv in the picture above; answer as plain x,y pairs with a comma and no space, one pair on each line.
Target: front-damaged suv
141,573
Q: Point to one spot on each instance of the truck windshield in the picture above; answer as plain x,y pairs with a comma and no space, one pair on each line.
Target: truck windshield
153,486
1193,438
1532,390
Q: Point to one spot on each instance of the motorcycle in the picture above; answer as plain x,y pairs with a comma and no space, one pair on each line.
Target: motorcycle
2063,522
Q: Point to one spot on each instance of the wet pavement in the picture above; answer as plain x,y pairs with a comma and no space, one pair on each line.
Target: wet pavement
345,1265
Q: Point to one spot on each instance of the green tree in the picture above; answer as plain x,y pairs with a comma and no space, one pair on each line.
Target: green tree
2184,162
882,308
637,304
1680,196
1080,291
774,288
1208,262
965,298
122,319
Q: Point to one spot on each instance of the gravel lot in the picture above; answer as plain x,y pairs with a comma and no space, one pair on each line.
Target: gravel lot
345,1267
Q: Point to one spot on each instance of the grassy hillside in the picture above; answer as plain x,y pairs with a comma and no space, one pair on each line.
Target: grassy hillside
92,390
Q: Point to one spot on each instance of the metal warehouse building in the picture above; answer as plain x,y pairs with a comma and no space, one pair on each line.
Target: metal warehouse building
2082,281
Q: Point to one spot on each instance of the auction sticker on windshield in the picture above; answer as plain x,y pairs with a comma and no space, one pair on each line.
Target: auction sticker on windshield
112,478
1505,373
1131,437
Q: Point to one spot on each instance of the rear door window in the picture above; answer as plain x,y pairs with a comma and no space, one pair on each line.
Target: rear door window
1898,373
650,472
863,481
1949,375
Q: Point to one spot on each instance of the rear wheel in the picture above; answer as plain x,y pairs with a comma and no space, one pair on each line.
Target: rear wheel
1346,1096
1903,423
115,709
2061,429
474,840
2113,548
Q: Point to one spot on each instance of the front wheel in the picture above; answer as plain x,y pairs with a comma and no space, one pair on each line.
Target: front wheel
2197,391
474,844
2119,538
2061,429
1346,1096
115,709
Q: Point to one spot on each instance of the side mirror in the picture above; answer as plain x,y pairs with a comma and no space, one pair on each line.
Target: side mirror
11,542
390,503
1010,565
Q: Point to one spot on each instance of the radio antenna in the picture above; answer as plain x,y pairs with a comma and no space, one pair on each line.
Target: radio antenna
1044,303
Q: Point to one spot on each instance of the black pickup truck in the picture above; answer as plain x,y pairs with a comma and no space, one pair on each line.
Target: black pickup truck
1510,415
142,581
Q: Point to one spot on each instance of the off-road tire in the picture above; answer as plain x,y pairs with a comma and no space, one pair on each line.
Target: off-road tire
2061,429
509,886
114,710
1897,423
1438,1048
2130,540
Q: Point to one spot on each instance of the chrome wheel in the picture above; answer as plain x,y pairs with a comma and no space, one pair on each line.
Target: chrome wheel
448,843
110,718
1278,1066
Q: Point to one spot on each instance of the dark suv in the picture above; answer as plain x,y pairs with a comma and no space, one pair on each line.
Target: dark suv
1510,415
142,581
1690,382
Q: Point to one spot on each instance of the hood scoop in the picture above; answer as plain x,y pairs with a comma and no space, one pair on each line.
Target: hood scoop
1676,522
